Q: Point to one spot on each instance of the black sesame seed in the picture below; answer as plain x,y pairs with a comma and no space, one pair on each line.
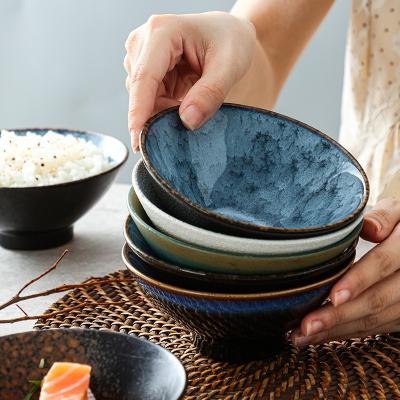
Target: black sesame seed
54,156
42,164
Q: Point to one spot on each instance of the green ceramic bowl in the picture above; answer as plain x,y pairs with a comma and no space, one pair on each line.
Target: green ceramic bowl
178,252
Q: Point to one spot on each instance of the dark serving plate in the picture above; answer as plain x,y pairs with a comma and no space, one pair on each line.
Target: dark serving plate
123,367
254,173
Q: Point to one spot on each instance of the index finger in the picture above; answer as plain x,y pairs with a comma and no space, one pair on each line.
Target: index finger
152,65
381,220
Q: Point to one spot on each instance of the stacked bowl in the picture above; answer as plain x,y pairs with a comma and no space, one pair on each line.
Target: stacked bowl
241,228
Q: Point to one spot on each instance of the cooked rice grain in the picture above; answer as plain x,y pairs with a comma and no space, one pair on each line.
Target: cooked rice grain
36,160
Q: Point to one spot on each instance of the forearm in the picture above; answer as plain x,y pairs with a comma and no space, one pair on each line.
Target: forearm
283,28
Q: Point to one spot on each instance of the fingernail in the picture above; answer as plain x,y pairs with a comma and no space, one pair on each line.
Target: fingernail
378,226
301,341
314,327
192,117
341,297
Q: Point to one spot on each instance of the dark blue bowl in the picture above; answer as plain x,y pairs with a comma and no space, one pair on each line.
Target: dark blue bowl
234,327
42,216
254,173
123,367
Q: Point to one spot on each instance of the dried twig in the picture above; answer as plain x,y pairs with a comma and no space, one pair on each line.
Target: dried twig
62,288
52,268
59,289
21,309
60,312
17,298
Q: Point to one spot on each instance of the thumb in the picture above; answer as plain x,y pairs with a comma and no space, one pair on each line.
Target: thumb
381,220
206,95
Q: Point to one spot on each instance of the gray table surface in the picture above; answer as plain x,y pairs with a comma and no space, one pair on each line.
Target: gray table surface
94,251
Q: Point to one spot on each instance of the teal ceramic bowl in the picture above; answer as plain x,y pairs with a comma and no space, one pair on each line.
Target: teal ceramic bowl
179,252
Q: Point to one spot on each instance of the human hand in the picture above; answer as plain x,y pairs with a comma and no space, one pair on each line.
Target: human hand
366,301
193,60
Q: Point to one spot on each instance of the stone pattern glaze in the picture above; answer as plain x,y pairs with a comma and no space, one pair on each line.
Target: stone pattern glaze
123,367
257,168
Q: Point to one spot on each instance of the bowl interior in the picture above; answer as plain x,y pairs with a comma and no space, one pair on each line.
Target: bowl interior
116,370
113,149
256,168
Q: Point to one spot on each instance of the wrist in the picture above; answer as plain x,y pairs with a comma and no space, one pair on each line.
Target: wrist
259,86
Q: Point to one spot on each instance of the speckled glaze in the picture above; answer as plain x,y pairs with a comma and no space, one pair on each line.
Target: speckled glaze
41,217
252,172
179,252
205,281
156,206
234,326
123,367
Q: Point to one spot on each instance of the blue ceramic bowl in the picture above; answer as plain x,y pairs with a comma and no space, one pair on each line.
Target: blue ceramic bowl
185,276
42,216
235,327
255,173
123,367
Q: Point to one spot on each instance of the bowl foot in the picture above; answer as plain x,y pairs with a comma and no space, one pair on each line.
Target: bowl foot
35,240
239,350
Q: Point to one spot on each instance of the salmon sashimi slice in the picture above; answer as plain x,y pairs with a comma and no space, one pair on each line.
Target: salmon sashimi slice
66,381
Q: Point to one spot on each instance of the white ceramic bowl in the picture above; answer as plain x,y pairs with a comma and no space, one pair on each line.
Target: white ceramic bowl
148,195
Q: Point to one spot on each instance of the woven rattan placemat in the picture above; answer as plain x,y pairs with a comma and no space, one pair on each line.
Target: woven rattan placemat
354,369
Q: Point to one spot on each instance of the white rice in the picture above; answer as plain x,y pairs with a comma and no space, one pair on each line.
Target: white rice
36,160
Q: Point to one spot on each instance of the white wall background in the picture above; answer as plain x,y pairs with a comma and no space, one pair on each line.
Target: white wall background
61,64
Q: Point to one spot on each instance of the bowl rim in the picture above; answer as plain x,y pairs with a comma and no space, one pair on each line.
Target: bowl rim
98,134
150,259
247,225
181,243
229,296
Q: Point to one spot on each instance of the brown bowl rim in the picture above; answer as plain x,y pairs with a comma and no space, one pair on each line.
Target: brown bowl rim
150,259
230,296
